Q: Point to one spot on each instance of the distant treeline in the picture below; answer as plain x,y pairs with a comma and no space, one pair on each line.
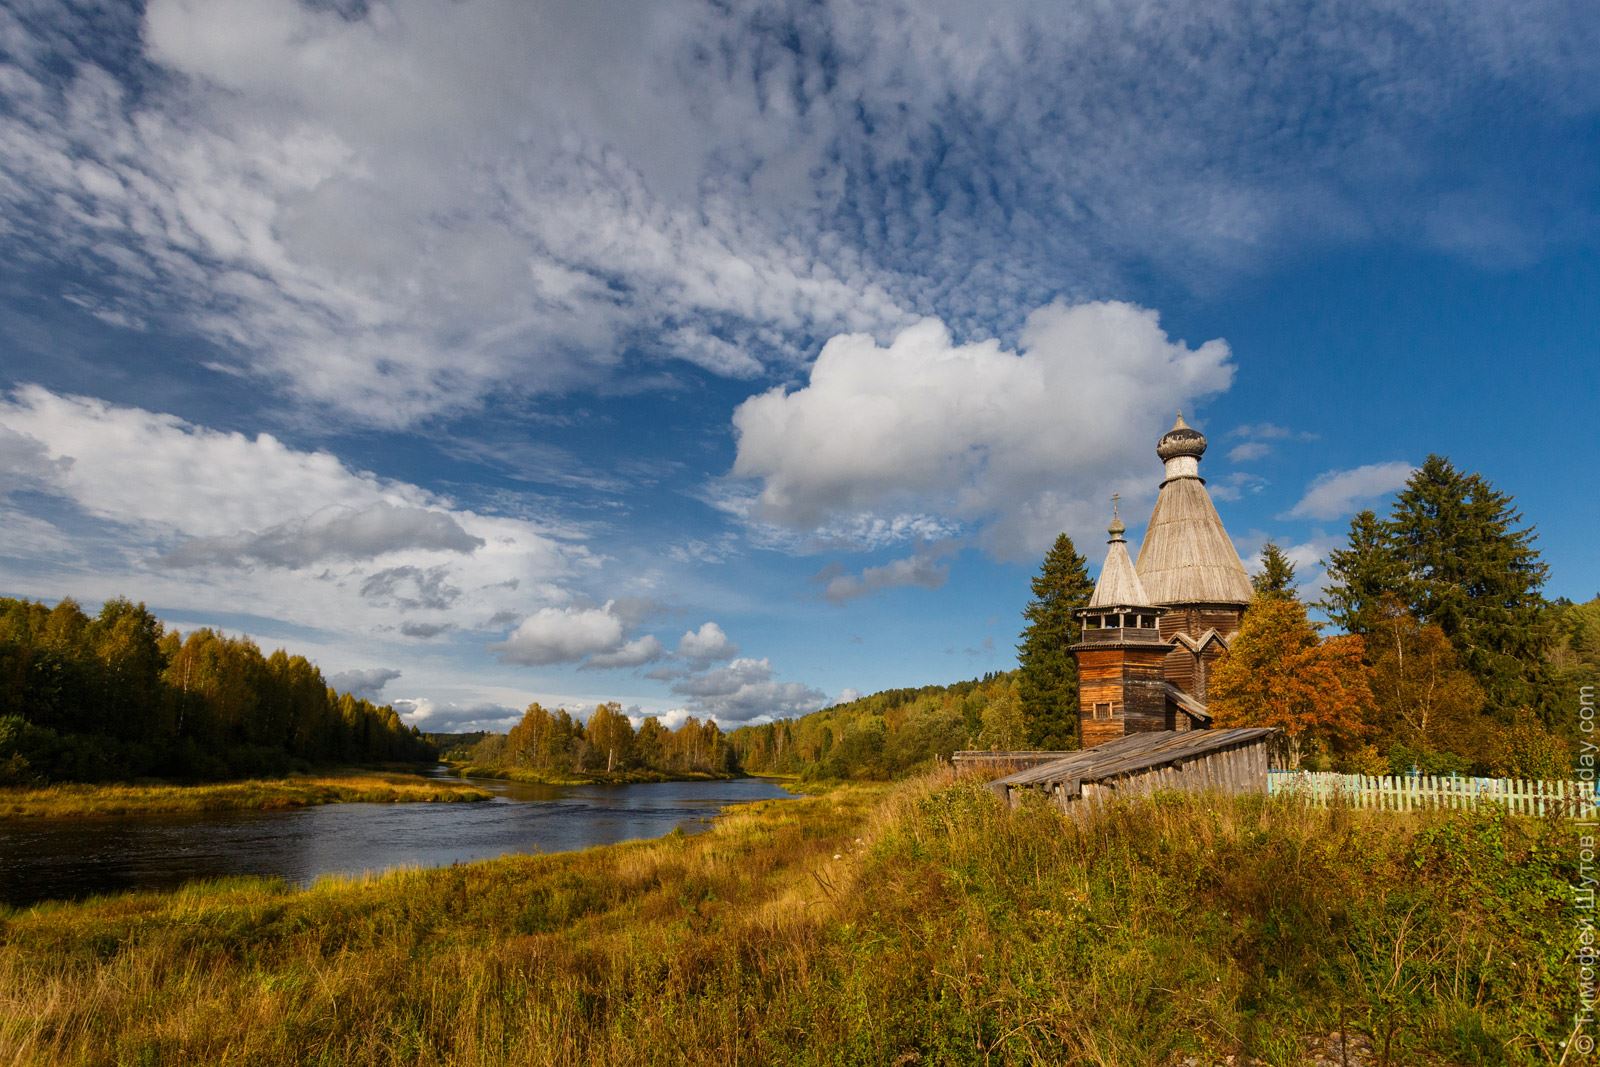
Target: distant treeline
887,734
553,744
119,696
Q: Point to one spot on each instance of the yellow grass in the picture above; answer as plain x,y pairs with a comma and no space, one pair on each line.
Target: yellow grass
294,791
918,924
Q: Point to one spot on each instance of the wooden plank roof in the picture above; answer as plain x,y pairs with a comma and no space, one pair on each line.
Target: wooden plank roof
1187,556
1132,755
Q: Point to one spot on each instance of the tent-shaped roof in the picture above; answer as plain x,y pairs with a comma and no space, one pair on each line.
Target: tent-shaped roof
1187,557
1119,585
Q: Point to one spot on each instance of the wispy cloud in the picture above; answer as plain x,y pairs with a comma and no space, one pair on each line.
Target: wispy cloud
1335,494
398,209
926,568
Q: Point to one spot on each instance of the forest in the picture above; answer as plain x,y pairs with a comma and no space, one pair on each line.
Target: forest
118,696
554,746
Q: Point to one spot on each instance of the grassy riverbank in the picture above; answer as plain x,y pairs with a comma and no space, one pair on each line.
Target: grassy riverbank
915,924
533,777
264,794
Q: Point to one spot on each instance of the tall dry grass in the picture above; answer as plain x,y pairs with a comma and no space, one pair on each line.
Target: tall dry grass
919,924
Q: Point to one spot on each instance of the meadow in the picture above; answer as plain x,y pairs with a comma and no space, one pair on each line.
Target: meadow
871,924
260,794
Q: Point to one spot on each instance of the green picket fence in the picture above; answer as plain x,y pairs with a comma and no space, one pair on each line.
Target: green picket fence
1413,792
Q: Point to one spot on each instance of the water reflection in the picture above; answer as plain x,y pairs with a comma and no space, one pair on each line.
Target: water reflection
47,859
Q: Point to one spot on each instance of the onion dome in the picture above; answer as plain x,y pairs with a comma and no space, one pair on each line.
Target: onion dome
1181,440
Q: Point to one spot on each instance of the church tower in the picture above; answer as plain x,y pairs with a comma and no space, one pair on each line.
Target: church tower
1189,566
1154,629
1120,685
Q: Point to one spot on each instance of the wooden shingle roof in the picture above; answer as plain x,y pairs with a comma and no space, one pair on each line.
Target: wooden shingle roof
1187,557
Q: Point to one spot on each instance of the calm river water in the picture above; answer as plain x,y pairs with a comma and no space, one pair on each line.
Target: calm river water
58,858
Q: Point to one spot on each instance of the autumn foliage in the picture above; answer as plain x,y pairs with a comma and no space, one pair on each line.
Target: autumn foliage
1278,672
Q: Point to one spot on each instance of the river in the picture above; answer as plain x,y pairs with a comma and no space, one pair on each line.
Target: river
49,859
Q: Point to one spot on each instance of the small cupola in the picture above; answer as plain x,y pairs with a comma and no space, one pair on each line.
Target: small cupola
1119,610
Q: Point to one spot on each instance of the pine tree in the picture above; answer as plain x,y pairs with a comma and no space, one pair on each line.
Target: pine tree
1361,575
1048,678
1472,570
1276,578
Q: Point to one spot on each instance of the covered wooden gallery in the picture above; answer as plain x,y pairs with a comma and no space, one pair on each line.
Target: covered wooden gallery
1228,761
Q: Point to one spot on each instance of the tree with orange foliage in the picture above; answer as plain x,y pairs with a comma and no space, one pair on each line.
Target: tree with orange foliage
1279,673
1424,697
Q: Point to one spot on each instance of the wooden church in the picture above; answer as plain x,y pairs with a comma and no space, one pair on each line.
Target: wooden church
1156,626
1152,633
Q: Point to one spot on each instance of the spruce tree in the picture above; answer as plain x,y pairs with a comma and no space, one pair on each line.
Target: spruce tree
1048,677
1455,552
1276,578
1361,575
1471,569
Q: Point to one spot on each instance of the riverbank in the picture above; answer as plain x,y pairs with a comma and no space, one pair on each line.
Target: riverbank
533,777
921,923
257,794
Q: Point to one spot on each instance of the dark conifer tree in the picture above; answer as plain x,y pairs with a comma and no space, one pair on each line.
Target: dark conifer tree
1048,680
1361,575
1470,567
1277,574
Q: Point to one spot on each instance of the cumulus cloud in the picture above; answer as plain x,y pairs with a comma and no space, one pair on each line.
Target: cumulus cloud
366,683
26,463
561,635
337,533
706,645
450,718
424,631
1023,444
747,689
635,653
255,524
1335,494
924,568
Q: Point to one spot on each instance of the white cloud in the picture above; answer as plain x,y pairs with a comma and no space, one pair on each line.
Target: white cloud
561,635
335,533
1248,451
747,689
635,653
1335,494
451,718
706,645
1024,444
364,683
924,568
397,208
262,528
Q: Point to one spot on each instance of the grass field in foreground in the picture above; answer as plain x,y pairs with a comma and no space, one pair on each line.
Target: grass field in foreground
294,791
922,923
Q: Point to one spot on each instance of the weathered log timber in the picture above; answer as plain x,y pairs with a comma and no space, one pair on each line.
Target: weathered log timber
1154,630
1227,761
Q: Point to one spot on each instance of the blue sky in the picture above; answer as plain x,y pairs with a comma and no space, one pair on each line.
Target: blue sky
727,359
